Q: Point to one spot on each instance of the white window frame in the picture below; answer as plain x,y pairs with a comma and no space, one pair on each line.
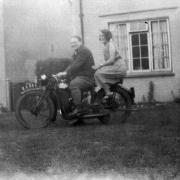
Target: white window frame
149,36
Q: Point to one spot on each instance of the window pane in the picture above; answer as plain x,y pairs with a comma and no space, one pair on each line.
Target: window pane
145,63
140,52
144,51
143,39
163,26
136,52
160,44
136,64
120,37
135,39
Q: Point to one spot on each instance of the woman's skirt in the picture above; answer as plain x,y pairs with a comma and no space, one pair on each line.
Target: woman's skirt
112,73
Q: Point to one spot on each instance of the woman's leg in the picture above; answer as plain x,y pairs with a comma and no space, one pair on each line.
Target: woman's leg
77,85
100,82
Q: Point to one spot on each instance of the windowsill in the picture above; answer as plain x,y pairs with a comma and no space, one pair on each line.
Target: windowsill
149,74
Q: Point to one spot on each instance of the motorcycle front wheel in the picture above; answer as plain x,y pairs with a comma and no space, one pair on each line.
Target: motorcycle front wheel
33,110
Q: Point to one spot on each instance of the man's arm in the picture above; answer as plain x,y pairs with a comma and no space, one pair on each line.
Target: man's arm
77,63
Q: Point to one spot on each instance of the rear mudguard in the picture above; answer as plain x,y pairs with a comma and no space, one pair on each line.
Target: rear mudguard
122,89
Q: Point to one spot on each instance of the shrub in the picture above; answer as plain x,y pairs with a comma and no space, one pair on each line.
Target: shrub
51,66
151,92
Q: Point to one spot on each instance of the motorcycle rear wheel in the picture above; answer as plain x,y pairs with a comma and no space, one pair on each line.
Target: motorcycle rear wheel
123,104
31,116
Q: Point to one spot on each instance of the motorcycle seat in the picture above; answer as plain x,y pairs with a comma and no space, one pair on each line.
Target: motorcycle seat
118,82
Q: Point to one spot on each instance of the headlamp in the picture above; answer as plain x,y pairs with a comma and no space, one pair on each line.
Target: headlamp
43,77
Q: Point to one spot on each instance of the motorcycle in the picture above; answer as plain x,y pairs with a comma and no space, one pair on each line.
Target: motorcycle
38,106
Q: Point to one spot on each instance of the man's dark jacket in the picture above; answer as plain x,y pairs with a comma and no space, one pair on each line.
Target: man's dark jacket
82,63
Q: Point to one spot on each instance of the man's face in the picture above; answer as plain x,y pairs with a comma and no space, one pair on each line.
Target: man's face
75,43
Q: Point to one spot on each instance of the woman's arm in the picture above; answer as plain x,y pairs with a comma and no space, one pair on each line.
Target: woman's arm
112,58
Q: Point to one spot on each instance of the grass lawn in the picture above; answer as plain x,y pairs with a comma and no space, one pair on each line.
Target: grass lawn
147,146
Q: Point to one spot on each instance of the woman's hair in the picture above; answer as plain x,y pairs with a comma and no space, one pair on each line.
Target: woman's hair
107,34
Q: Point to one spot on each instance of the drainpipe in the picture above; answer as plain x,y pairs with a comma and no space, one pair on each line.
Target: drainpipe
81,15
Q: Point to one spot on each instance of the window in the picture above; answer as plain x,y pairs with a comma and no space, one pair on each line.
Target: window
145,47
121,39
160,45
140,52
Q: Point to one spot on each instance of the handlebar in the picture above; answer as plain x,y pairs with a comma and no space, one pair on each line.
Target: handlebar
58,77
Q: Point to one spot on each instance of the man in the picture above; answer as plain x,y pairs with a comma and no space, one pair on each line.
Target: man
79,71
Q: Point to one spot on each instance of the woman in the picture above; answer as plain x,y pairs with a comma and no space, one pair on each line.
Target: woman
114,67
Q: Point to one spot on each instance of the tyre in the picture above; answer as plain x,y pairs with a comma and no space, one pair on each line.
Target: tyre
122,103
31,115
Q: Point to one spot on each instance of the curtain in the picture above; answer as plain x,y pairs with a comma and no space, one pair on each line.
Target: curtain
160,44
119,32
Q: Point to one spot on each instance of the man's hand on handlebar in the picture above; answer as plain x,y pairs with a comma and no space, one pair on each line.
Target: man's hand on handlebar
60,74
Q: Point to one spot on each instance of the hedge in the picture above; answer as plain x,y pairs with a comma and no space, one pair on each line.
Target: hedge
51,66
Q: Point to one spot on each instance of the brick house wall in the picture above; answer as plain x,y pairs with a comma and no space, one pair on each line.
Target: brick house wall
98,14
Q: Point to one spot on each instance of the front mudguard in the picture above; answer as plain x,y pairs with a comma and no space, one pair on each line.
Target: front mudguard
52,96
32,89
